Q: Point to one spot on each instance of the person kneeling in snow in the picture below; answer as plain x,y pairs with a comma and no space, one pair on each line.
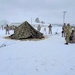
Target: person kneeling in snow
72,37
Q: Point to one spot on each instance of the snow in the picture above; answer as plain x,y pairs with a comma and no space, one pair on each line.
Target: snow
48,56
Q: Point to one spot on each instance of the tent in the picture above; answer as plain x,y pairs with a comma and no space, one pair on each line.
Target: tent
26,31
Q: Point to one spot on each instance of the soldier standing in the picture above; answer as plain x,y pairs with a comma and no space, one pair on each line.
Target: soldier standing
50,29
64,30
68,33
39,28
45,30
7,29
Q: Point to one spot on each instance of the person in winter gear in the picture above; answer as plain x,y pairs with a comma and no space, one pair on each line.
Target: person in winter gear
7,29
50,29
45,30
64,30
39,28
72,36
68,33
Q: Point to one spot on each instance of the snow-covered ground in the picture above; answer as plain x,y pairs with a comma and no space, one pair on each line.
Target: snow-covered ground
43,57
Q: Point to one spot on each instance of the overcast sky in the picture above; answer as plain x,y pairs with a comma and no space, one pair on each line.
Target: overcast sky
50,11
